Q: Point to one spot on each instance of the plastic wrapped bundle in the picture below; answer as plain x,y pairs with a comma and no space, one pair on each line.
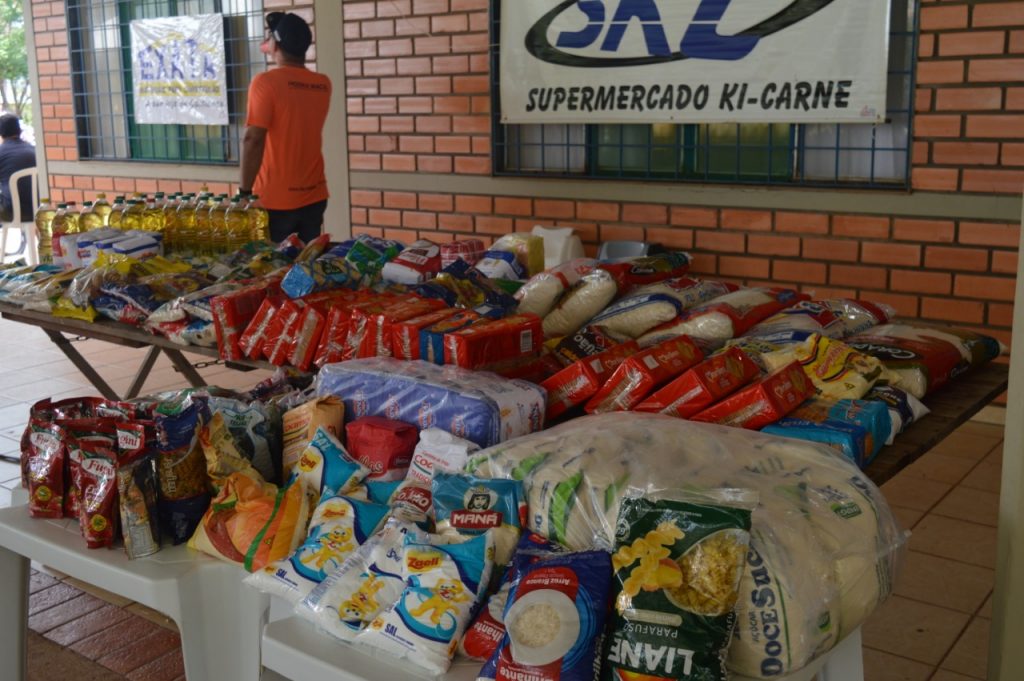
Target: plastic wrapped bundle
823,540
834,318
478,406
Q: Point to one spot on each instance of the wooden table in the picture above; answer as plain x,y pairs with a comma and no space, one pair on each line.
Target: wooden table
58,329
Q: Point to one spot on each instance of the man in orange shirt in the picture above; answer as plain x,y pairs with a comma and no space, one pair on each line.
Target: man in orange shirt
282,160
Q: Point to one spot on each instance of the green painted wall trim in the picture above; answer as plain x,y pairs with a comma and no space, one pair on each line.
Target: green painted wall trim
875,202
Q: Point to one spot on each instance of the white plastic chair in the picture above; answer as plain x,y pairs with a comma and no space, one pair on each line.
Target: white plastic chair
26,223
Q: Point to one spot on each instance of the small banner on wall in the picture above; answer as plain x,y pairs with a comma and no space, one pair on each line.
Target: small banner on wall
178,70
694,61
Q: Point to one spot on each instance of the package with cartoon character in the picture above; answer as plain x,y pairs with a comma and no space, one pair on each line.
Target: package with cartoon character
467,505
339,525
442,586
325,468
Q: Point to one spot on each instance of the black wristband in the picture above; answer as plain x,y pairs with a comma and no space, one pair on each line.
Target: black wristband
245,192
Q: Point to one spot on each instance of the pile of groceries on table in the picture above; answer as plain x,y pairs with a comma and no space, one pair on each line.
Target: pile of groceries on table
552,474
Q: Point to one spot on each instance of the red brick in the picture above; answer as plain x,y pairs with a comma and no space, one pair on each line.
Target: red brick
937,125
919,152
997,181
553,208
937,72
971,44
358,215
995,126
437,202
1012,154
941,231
764,244
671,237
471,84
735,266
393,8
1004,262
1000,314
946,309
799,271
950,258
434,124
405,200
146,650
935,179
471,124
907,255
365,197
432,45
385,218
507,205
457,63
760,220
990,234
455,223
384,28
452,23
469,203
998,14
920,282
831,249
804,223
430,6
860,226
397,124
380,143
414,66
493,225
729,242
622,233
645,212
399,47
965,153
433,85
936,17
986,288
416,144
1016,44
693,217
925,45
355,11
858,276
434,164
906,306
399,163
417,220
995,70
597,210
923,99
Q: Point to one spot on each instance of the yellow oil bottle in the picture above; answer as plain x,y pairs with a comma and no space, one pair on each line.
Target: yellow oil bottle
89,218
204,238
116,213
237,220
153,214
259,220
102,208
170,209
219,225
133,215
58,228
72,219
44,234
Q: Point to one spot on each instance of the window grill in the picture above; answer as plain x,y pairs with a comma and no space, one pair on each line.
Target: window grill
847,155
101,76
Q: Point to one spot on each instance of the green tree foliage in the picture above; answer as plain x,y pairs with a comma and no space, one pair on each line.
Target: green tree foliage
14,85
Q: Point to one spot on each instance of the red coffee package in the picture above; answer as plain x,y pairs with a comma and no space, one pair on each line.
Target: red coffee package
579,381
99,512
250,343
469,250
641,373
405,335
763,402
307,338
232,313
494,341
703,385
382,445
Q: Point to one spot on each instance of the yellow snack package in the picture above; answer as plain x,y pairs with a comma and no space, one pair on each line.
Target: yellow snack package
837,370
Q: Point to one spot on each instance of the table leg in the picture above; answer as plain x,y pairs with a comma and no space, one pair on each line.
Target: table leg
14,622
81,363
143,373
185,367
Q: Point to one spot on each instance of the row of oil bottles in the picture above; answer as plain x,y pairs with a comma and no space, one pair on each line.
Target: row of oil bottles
201,223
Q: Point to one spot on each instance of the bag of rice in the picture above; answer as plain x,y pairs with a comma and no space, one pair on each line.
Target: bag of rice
837,370
339,525
678,566
834,318
582,302
471,506
326,469
442,587
904,408
555,620
645,308
542,291
701,386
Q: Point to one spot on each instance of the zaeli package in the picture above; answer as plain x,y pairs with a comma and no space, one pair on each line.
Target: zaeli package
856,428
704,384
763,402
581,380
678,565
325,468
384,446
468,505
641,373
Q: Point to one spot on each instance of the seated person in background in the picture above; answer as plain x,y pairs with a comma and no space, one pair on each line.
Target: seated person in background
15,154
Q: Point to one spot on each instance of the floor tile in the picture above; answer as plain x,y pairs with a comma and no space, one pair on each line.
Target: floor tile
986,609
125,633
165,668
153,616
971,441
970,654
919,631
64,613
49,597
968,503
87,625
907,517
882,666
956,539
9,471
946,675
146,650
40,581
943,582
986,476
915,493
940,468
119,601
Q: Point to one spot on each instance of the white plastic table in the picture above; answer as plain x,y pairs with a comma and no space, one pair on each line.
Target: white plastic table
220,619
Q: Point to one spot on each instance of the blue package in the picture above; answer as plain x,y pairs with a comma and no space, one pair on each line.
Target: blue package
432,337
471,505
857,428
339,525
325,468
379,492
326,272
475,406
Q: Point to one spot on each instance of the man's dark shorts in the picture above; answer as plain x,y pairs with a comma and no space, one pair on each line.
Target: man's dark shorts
306,222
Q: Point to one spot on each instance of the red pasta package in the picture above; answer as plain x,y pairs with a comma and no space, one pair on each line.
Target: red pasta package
703,385
232,313
432,337
494,341
99,512
763,402
641,373
307,338
334,340
579,381
279,333
405,335
99,431
250,344
383,445
370,332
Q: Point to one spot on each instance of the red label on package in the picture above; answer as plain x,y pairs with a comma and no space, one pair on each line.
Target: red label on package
641,373
578,382
703,385
764,402
475,520
494,341
405,335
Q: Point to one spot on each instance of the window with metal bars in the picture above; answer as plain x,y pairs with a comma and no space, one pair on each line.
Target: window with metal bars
101,73
848,155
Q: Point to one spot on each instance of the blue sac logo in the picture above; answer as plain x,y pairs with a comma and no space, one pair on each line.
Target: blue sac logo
701,38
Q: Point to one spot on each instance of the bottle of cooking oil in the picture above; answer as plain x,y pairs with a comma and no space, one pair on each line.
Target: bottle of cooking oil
153,213
58,228
237,220
259,220
219,226
44,222
204,237
116,213
89,218
72,219
133,215
170,209
102,208
185,224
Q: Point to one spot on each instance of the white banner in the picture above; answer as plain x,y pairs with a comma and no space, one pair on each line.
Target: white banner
178,70
695,61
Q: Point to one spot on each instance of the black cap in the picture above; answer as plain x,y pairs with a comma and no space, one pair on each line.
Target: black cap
9,126
291,32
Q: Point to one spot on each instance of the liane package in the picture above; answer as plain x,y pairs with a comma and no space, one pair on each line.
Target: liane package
638,375
579,381
709,381
764,402
494,341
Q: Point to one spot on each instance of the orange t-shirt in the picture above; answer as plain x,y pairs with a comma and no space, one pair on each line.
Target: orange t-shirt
291,103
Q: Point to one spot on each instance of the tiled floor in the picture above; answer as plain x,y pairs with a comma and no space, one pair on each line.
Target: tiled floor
935,627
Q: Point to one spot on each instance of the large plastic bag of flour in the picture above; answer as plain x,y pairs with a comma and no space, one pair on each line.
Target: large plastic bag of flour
475,405
824,544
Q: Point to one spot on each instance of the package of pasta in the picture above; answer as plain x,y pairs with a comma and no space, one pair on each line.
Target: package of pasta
471,506
384,446
222,454
641,373
587,342
443,584
834,318
727,316
926,357
301,423
630,273
554,620
98,512
280,330
306,339
857,428
232,313
432,337
648,306
494,341
325,468
838,371
763,402
904,408
405,335
678,565
540,294
368,581
338,527
581,303
184,485
702,385
138,488
92,431
370,331
578,382
468,250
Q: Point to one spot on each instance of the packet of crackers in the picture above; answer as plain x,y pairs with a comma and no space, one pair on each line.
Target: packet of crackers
138,488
